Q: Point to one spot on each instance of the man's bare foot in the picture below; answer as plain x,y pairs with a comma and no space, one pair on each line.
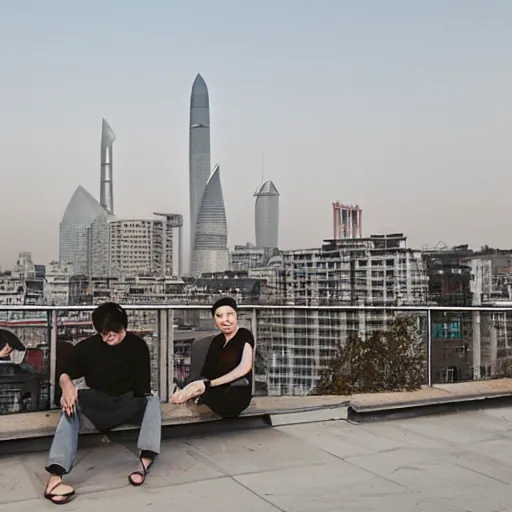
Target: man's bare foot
139,477
58,492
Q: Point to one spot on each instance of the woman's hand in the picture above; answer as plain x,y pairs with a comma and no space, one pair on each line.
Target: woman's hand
6,350
193,390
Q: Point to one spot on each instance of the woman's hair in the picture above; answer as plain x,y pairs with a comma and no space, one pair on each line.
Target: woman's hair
109,317
225,301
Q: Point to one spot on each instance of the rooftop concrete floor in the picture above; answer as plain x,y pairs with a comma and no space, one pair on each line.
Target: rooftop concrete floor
453,462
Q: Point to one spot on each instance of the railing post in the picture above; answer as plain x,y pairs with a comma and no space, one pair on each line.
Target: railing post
477,344
170,352
254,329
52,321
429,347
162,355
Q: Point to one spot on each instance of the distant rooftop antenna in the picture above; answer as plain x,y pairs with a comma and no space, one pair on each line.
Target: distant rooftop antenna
262,168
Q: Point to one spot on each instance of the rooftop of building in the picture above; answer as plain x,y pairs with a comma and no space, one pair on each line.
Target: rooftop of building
450,462
83,208
267,189
107,134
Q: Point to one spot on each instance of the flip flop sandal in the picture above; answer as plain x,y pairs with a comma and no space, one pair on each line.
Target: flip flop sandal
58,499
142,474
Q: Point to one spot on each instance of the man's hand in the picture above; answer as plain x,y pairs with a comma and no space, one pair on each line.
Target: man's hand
69,397
193,390
6,350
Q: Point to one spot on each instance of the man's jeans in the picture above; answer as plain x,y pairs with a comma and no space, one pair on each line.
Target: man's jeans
65,441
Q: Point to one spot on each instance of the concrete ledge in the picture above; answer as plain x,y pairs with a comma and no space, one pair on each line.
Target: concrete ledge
310,415
43,423
277,411
91,439
32,432
439,399
412,409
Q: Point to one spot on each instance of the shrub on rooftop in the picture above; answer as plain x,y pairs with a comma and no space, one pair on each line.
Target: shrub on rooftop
390,360
503,369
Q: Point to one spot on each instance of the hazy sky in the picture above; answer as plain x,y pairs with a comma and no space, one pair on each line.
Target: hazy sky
401,106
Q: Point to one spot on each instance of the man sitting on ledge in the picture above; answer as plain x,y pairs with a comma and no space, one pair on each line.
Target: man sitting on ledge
116,367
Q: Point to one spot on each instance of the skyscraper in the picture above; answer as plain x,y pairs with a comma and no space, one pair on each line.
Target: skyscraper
266,216
107,185
210,252
199,151
81,211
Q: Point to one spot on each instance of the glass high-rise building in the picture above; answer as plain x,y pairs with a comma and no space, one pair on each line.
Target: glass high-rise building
208,226
266,216
199,151
210,252
81,211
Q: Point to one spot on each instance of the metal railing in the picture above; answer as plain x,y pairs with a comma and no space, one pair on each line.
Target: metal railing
293,343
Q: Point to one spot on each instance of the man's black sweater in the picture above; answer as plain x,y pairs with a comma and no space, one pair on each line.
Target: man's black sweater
112,370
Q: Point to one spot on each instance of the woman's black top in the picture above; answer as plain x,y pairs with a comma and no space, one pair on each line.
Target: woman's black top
224,357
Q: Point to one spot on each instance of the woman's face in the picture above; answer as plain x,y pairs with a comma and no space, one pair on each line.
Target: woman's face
226,319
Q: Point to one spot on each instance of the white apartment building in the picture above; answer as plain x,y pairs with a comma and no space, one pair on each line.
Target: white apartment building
12,289
23,284
131,247
246,257
296,345
56,286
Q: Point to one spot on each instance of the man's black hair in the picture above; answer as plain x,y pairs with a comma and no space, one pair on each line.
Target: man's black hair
109,317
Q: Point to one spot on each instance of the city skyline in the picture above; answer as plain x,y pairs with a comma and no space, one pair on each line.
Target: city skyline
85,241
403,108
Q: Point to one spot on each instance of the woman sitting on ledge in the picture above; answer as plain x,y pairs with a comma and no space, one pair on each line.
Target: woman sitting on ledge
225,385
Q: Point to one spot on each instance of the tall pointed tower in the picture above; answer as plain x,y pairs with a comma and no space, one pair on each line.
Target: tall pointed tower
266,216
199,151
107,161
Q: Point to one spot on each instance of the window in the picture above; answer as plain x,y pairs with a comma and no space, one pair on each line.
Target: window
447,330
